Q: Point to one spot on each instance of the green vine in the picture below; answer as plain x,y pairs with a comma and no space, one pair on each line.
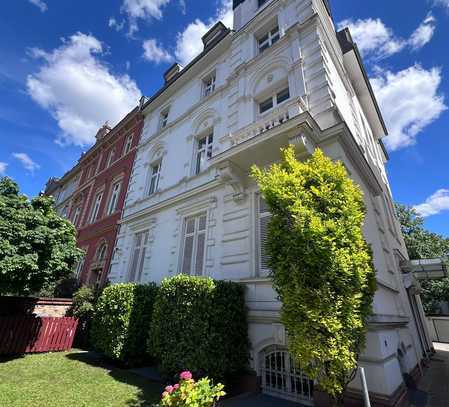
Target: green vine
321,265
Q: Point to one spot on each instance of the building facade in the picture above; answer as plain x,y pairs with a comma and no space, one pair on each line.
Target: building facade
282,76
92,195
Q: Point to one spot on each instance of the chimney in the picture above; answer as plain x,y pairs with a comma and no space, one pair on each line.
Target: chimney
102,131
171,72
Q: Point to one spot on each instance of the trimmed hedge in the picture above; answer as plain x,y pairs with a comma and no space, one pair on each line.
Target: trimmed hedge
200,325
122,322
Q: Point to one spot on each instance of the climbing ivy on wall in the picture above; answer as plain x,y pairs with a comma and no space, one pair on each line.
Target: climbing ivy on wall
320,263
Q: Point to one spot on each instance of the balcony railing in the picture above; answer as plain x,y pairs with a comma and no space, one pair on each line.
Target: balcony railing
276,117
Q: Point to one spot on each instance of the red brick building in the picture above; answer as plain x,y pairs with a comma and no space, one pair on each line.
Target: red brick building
97,201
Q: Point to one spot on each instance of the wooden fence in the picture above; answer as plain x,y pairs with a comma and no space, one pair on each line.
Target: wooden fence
31,334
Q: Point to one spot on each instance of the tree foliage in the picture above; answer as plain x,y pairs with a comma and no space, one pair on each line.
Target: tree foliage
37,246
433,293
421,243
320,263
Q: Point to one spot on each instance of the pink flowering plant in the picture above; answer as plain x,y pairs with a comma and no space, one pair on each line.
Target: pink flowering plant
191,393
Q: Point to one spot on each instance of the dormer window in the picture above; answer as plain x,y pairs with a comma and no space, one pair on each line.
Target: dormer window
209,84
274,100
268,39
164,118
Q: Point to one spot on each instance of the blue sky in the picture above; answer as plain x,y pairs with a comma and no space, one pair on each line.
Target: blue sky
68,66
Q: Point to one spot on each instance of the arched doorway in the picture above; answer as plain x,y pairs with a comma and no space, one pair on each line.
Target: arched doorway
282,377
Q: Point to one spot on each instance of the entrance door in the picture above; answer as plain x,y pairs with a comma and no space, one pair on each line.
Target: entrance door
281,377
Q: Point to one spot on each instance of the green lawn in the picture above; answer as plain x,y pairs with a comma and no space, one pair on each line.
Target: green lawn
71,379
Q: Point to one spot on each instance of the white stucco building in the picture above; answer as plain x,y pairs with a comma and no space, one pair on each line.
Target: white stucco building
281,76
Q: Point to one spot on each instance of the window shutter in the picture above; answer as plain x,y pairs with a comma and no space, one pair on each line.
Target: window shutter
264,217
194,245
200,249
188,253
141,264
264,258
138,256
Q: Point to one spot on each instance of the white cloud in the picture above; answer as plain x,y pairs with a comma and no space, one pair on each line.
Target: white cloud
113,23
3,167
142,9
443,3
79,90
155,53
373,37
40,4
183,6
27,162
376,40
424,33
410,101
189,44
436,203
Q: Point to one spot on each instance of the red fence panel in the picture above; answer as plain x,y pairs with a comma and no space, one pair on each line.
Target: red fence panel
30,334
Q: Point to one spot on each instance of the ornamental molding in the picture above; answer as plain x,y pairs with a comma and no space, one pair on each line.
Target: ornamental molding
233,176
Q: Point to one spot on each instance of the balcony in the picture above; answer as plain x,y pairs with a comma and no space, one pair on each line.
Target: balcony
274,118
260,143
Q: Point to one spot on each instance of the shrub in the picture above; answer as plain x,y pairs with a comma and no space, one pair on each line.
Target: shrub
83,307
200,325
188,393
122,321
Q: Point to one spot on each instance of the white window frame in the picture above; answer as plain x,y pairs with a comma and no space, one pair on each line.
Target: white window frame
274,98
163,118
140,245
155,175
80,266
209,84
203,152
273,36
111,157
128,144
64,211
102,252
113,200
76,215
260,270
96,208
191,267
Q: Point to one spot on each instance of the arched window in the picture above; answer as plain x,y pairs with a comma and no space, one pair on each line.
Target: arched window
282,377
101,253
